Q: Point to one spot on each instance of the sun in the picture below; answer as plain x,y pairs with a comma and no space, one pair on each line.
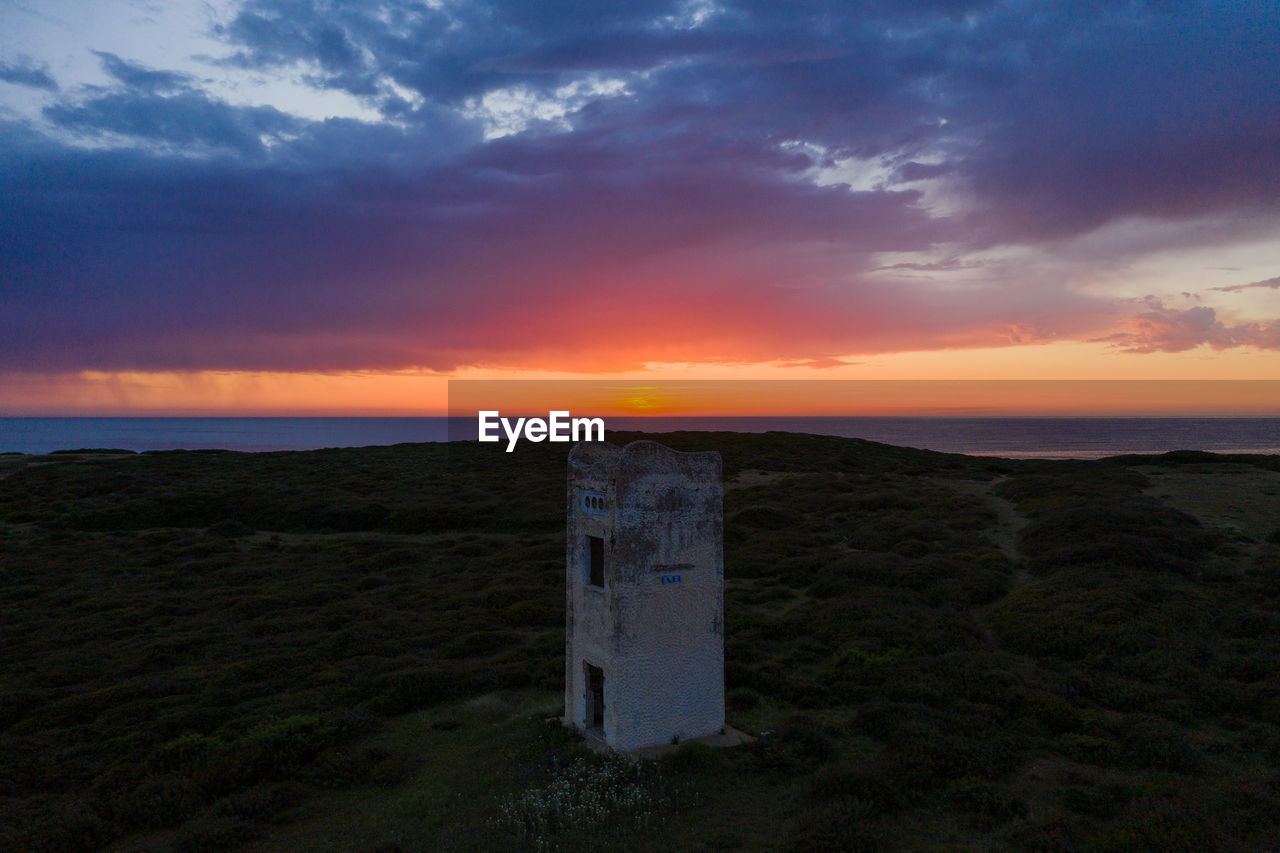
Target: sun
645,399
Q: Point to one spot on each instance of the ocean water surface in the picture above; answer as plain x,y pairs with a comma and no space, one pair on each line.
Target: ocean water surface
1016,437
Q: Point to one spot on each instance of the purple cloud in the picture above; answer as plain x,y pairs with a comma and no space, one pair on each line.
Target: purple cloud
1162,329
1271,283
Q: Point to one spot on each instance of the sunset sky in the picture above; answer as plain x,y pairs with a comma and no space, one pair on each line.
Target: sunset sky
310,207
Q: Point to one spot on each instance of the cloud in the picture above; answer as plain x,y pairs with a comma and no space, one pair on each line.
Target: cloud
594,186
525,253
1059,122
945,265
140,78
1162,329
1271,283
188,120
25,73
820,363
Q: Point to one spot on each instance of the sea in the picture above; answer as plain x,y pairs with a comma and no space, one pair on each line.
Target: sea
1013,437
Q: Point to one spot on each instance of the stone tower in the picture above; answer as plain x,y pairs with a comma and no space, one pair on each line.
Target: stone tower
644,633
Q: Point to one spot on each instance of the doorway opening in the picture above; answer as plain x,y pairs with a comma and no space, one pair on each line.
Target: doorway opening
595,696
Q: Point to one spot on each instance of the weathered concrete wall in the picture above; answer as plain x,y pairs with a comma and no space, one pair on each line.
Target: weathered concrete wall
656,626
589,622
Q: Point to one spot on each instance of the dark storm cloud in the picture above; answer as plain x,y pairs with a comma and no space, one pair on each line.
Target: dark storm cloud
1170,111
165,108
186,119
651,198
139,77
23,72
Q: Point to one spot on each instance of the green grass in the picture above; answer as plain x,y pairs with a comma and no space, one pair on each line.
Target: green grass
359,650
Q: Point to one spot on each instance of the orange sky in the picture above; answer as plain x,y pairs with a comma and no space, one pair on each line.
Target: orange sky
868,397
423,393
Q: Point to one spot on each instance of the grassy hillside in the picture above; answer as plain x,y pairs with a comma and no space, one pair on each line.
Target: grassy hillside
362,650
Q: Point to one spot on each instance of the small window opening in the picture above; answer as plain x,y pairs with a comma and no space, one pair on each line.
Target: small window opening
595,561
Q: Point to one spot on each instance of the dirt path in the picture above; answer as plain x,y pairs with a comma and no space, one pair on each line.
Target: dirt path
1008,523
1005,535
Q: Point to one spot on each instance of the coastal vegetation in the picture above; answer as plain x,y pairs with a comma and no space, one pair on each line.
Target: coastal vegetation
362,649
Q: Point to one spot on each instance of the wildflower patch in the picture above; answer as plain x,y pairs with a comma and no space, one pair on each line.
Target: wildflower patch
608,794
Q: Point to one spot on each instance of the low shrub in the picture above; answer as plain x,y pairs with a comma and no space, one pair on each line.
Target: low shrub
214,833
1088,749
797,742
259,803
229,528
741,699
690,757
159,801
1154,742
1095,800
186,752
1053,713
869,783
839,825
1159,822
985,806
